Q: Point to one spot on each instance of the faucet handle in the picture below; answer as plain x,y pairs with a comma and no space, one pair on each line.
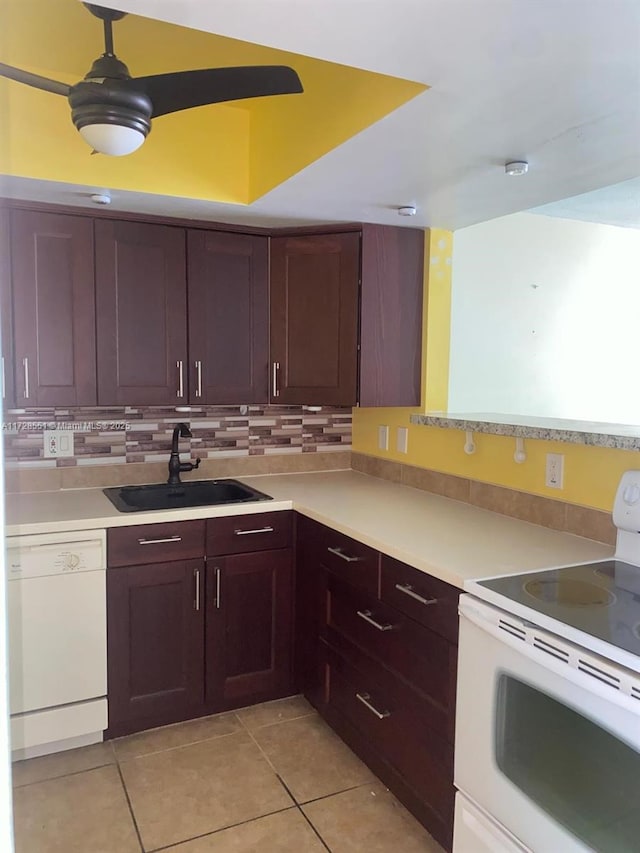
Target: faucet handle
196,464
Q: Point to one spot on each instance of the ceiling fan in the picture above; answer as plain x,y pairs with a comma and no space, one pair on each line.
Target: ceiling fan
113,111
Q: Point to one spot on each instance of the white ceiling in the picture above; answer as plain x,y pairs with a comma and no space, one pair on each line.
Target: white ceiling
615,205
555,82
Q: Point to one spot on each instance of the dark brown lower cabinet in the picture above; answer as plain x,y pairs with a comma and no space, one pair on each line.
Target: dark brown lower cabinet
381,672
248,628
194,636
156,642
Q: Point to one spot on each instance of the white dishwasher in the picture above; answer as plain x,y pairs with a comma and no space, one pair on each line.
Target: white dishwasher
57,641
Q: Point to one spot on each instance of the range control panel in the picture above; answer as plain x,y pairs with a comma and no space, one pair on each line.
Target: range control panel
626,508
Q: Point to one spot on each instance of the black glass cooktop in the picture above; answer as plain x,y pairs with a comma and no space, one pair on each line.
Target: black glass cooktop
602,599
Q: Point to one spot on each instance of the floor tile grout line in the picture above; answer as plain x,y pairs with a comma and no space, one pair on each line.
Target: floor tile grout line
341,791
308,820
131,812
221,829
65,775
172,748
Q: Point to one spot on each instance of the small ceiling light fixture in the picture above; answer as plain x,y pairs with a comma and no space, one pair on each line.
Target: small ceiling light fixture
407,210
101,198
516,167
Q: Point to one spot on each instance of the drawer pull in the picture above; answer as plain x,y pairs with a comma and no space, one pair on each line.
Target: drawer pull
366,615
340,553
364,698
408,590
159,541
250,532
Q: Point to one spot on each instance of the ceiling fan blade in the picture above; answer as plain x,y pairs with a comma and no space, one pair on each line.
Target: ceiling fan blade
34,80
182,90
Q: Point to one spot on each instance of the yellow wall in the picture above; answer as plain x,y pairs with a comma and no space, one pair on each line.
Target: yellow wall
226,153
591,474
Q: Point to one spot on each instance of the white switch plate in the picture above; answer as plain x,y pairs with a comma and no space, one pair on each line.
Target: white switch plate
554,478
58,443
383,438
402,440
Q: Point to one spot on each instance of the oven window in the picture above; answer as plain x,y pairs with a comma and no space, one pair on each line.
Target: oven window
578,773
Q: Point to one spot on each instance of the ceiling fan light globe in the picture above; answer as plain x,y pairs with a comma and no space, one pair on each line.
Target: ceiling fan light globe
116,140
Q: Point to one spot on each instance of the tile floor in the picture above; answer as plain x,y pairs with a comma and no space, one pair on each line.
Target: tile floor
272,778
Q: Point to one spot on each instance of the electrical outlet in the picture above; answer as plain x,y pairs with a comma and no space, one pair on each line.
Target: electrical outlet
383,438
58,443
555,471
402,440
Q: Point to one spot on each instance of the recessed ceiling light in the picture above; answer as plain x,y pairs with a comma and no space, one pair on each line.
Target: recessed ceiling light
407,210
516,167
101,198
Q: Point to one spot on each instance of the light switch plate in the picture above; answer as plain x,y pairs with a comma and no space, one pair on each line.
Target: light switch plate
383,438
58,443
402,440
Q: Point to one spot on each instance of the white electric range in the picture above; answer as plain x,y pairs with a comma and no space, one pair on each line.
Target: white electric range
548,704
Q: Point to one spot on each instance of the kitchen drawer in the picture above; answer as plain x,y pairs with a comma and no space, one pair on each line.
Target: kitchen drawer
155,543
391,719
350,560
430,601
238,534
421,657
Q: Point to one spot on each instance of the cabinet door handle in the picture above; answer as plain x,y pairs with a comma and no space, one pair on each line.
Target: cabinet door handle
196,603
25,366
367,616
340,553
180,366
364,698
250,532
3,381
408,590
217,588
198,366
159,541
276,369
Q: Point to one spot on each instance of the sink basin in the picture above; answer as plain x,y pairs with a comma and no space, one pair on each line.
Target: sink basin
198,493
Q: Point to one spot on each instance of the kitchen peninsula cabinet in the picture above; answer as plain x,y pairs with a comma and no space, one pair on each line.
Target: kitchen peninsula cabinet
141,320
228,288
314,319
376,654
53,309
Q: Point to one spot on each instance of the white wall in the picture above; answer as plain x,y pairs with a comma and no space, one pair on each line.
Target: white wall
546,319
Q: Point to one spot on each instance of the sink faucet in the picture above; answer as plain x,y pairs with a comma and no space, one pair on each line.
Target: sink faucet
176,467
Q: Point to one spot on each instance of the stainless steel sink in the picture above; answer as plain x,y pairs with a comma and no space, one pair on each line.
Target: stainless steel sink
198,493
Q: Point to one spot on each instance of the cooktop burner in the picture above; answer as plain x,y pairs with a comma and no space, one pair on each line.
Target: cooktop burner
602,599
570,592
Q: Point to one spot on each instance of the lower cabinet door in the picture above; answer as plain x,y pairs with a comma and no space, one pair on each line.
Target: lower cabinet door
248,628
155,635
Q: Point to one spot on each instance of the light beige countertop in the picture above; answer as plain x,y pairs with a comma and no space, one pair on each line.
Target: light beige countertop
450,540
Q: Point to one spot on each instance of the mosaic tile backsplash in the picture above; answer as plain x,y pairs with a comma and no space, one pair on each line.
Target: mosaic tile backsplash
116,435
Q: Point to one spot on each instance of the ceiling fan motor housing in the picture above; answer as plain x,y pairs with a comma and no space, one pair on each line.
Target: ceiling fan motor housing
109,103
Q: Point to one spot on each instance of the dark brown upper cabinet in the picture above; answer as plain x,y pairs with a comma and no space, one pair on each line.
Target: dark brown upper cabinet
54,309
391,315
228,287
314,319
141,298
6,313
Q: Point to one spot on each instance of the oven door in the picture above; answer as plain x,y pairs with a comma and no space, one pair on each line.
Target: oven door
547,736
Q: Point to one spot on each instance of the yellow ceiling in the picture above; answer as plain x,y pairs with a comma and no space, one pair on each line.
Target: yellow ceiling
224,152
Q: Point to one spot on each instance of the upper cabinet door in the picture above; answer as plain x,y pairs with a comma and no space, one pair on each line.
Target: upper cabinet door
54,309
314,319
228,318
6,314
391,315
141,295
